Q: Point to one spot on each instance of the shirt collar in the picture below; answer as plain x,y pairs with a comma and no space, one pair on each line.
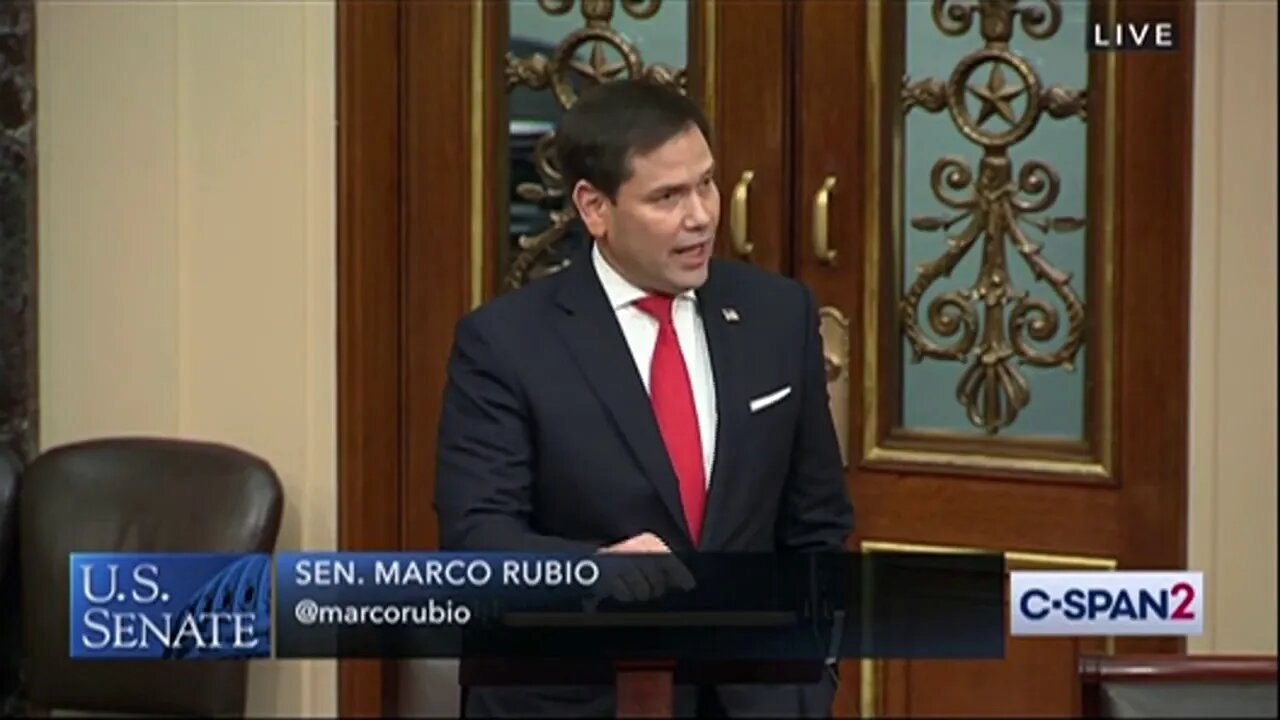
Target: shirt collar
618,289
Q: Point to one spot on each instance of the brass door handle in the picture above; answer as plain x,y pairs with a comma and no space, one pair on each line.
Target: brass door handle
821,224
738,215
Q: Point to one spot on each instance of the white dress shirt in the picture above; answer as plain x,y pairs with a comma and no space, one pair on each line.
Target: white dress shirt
641,331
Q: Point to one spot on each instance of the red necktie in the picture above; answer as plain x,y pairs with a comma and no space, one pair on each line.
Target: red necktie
672,396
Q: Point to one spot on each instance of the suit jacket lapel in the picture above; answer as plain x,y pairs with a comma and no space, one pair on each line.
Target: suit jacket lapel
725,341
589,328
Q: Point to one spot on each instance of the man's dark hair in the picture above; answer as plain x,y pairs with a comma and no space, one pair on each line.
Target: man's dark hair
612,121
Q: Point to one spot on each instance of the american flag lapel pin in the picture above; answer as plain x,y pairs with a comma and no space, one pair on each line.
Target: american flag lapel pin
730,315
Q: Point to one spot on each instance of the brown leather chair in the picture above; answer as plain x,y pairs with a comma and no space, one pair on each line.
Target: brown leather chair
10,628
134,495
1165,686
10,469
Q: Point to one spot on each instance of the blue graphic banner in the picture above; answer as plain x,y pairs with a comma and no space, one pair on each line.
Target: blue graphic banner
170,605
697,606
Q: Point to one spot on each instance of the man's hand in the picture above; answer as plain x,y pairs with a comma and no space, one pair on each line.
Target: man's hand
643,543
640,579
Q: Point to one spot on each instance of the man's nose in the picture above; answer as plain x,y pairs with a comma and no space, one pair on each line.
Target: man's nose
698,214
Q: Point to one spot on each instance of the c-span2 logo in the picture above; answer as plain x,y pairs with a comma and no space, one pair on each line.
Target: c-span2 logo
1107,603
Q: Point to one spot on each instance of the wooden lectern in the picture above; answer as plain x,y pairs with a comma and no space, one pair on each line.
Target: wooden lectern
644,688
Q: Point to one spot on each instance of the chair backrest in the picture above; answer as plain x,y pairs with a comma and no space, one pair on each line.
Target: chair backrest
10,469
10,626
134,495
1177,686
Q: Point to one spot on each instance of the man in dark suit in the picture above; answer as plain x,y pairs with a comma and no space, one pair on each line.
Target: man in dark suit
649,397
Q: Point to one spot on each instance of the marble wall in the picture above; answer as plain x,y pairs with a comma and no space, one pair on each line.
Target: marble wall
17,291
17,226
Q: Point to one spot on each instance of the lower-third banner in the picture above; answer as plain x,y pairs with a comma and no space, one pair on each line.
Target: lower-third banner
696,606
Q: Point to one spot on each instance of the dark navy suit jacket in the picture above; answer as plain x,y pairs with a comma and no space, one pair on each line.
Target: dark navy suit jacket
548,442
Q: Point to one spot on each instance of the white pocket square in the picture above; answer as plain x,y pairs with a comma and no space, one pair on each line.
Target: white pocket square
765,401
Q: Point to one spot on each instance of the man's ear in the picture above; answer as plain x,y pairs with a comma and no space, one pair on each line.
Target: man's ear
593,207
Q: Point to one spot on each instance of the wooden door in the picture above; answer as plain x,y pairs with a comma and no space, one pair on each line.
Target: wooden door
997,227
446,199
